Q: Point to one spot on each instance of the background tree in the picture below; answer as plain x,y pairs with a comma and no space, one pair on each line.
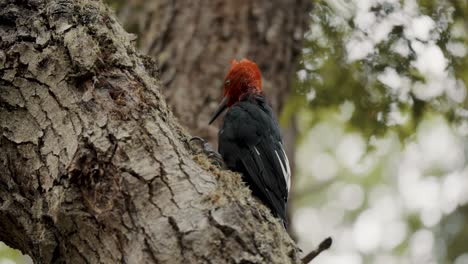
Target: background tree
194,42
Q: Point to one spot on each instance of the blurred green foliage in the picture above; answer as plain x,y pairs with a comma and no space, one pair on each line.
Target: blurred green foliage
372,71
327,73
10,256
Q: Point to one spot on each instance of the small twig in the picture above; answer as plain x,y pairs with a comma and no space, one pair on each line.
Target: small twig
326,244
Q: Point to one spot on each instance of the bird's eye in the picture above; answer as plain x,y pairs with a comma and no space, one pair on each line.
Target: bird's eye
227,82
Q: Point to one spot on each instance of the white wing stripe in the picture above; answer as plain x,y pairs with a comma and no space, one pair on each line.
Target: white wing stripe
256,150
285,174
288,169
287,163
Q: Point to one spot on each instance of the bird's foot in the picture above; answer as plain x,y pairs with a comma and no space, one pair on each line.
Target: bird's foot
199,145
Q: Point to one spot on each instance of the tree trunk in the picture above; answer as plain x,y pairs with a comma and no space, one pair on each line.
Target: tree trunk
194,41
94,167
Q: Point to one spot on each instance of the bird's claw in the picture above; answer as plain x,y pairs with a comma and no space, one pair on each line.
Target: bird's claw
199,145
196,144
216,159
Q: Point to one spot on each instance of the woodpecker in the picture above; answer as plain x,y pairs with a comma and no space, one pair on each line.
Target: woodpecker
249,140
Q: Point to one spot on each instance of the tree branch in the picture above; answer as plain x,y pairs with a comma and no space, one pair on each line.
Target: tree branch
324,245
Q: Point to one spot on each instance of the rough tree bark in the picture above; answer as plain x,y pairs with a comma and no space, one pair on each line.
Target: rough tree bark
93,166
194,42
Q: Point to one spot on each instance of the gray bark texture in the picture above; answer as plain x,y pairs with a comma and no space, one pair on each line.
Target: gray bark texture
93,166
194,41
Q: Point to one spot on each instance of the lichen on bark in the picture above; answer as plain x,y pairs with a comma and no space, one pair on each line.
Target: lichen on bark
94,167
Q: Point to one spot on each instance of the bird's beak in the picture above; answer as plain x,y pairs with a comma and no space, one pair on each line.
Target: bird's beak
221,107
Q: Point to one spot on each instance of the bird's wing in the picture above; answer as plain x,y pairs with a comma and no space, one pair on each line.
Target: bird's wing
251,144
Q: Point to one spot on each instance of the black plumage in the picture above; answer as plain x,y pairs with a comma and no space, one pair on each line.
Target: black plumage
250,143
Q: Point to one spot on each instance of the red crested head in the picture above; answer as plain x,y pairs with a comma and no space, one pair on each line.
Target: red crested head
243,77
